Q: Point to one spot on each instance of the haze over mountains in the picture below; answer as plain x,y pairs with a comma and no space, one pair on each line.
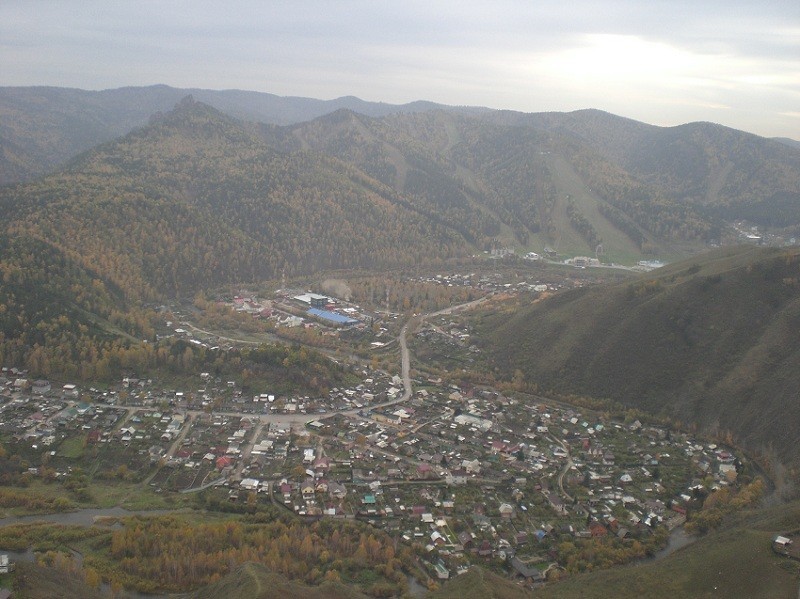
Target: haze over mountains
42,127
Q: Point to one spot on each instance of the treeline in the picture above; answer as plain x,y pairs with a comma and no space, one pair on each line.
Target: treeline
10,498
605,552
722,502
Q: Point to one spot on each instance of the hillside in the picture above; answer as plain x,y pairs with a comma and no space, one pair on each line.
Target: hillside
41,128
34,581
571,181
478,583
519,186
194,201
709,341
578,182
722,172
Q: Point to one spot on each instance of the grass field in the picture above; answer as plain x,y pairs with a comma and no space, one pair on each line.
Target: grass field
73,447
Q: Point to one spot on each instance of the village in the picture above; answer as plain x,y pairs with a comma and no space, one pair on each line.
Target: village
466,475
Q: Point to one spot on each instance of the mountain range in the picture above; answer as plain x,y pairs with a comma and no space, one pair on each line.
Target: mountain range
195,198
43,127
585,182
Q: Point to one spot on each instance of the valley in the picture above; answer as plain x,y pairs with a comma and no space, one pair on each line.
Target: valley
464,473
364,350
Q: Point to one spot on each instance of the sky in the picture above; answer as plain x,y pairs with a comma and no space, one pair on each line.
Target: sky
733,62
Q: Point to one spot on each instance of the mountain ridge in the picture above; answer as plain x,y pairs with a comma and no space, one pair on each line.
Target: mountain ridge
197,197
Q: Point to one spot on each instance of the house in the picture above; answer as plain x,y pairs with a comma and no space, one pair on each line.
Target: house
322,464
456,477
471,467
506,510
780,545
442,572
249,484
308,488
286,491
527,572
557,504
425,471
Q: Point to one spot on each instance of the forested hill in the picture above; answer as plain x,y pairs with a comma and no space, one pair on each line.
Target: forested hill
577,182
195,200
732,173
711,341
43,127
517,185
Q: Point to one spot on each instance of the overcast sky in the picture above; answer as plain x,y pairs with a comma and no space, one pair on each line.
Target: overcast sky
734,62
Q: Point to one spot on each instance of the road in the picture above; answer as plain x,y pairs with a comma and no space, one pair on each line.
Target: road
564,470
299,420
405,357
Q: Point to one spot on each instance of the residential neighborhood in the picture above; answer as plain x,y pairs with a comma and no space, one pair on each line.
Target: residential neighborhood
469,475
